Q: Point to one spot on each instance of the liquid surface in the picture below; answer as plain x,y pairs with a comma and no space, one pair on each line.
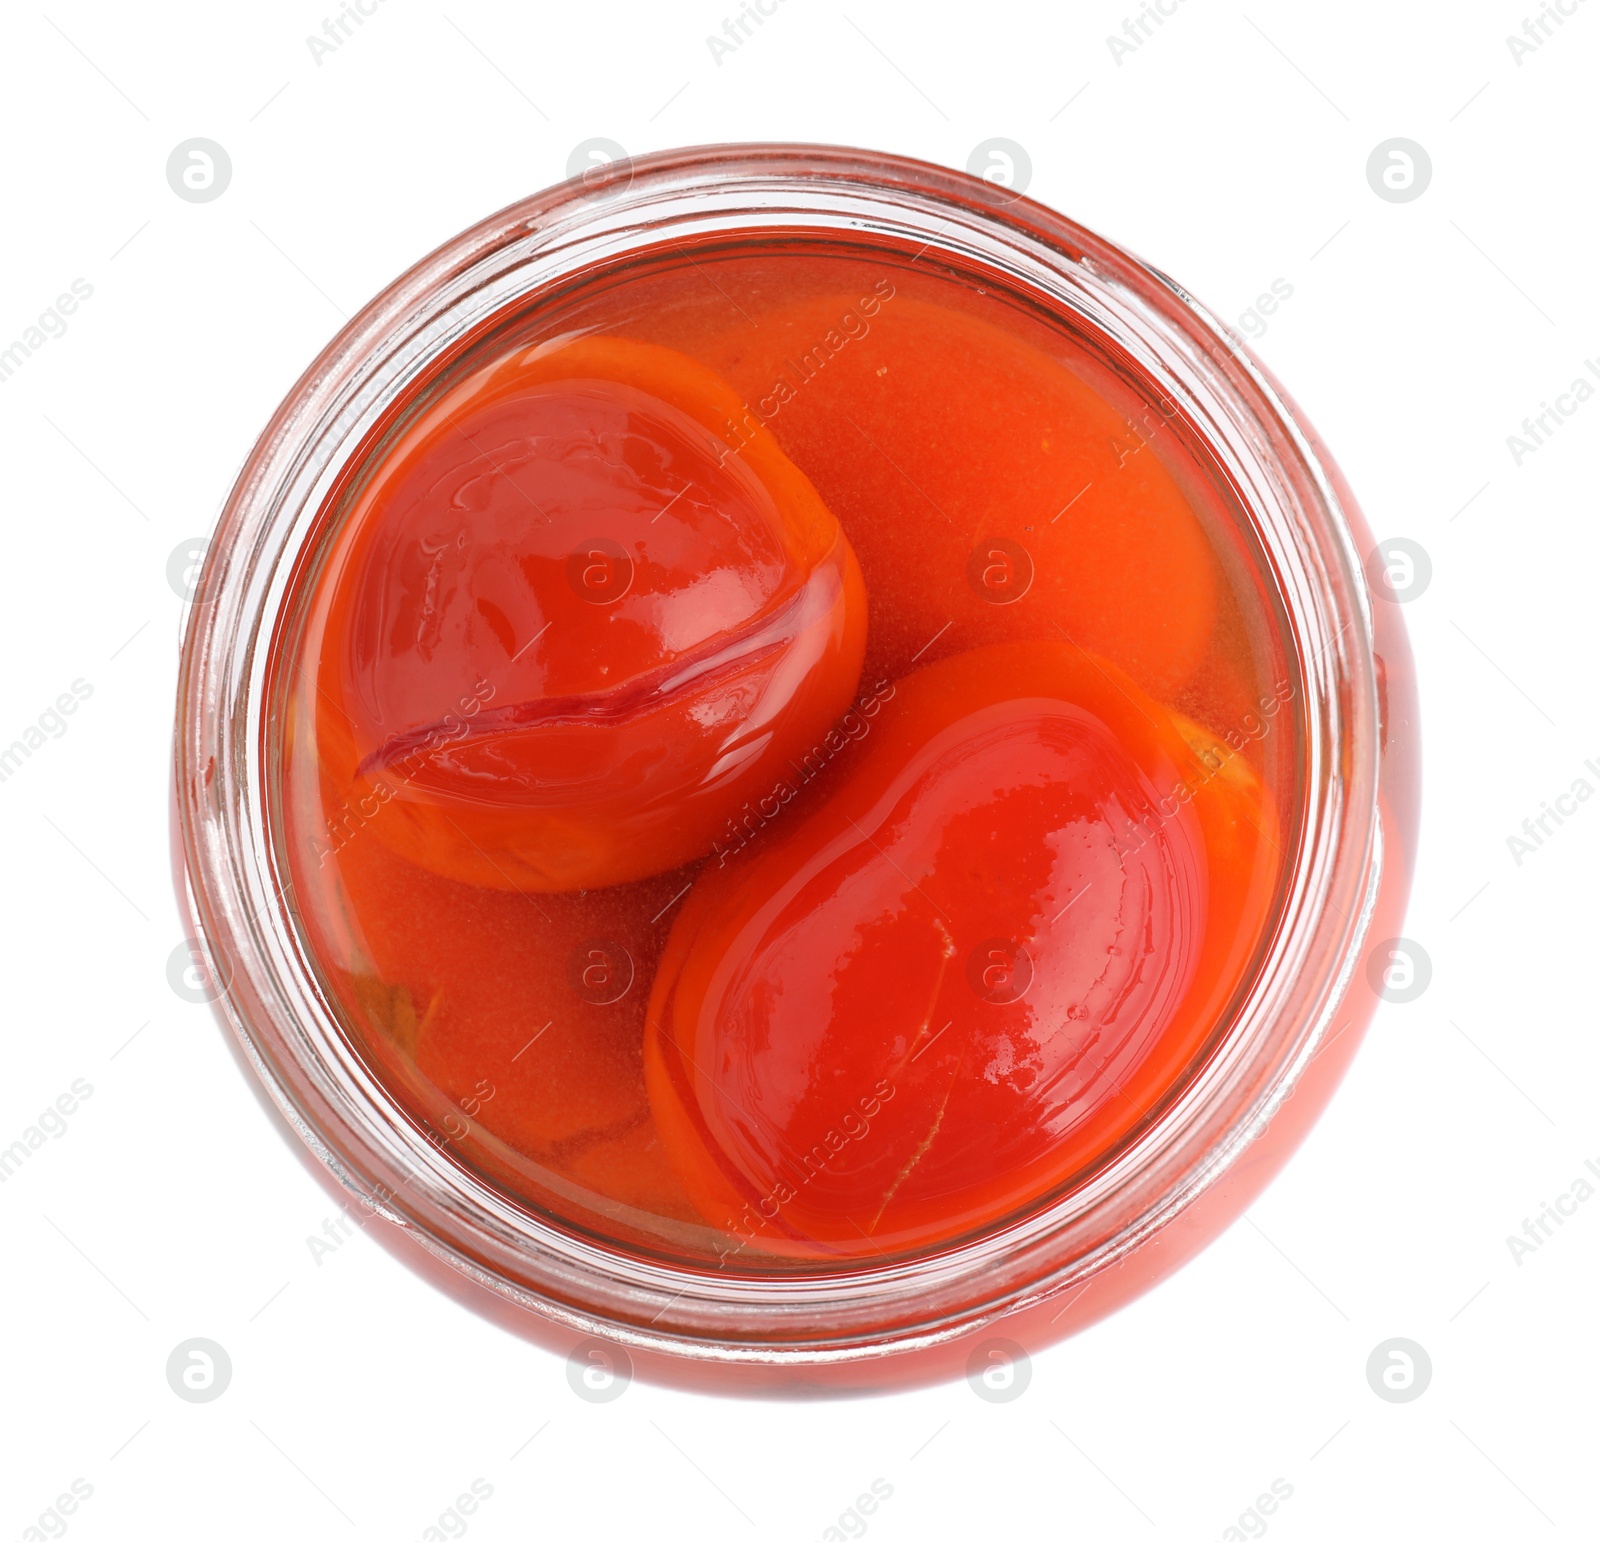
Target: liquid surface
783,757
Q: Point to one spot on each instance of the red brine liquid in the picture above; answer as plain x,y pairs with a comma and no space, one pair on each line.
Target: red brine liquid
788,757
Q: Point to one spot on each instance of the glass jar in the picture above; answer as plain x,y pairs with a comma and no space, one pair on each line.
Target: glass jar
1294,1025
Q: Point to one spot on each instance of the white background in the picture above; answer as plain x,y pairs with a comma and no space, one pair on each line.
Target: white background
1418,337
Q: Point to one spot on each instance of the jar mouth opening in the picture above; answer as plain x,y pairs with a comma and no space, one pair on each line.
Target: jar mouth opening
226,758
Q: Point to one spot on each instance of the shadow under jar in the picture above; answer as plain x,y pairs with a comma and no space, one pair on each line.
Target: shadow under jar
783,755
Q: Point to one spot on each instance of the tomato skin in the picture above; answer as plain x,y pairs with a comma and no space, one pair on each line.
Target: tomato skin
576,618
956,981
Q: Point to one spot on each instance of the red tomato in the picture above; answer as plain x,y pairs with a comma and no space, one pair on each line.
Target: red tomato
576,618
989,490
959,980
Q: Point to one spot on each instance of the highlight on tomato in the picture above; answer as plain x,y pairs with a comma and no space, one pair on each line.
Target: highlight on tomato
575,619
958,981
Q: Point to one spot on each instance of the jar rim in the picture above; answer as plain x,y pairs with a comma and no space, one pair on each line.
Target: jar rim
235,888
